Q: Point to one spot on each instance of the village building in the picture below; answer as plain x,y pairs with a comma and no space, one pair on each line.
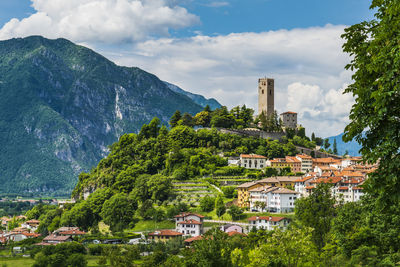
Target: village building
268,222
273,199
280,181
31,225
227,228
243,193
278,163
306,163
164,235
56,239
252,161
289,119
294,164
189,224
301,184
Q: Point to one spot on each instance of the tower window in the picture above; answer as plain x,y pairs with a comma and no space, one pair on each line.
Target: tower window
262,91
270,92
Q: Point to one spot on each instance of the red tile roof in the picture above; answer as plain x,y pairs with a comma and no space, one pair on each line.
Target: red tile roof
267,218
184,214
60,238
252,156
72,232
304,156
190,222
289,112
305,179
329,180
195,238
310,187
165,233
343,188
31,234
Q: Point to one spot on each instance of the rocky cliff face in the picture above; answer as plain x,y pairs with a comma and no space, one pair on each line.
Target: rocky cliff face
62,105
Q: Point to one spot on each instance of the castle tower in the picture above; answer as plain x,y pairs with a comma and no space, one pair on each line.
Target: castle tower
266,96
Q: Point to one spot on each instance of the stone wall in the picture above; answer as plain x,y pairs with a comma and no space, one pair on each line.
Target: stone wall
254,133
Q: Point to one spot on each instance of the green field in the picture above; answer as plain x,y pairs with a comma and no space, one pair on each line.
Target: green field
144,226
16,262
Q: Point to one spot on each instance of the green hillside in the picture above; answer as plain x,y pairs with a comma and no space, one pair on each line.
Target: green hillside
62,105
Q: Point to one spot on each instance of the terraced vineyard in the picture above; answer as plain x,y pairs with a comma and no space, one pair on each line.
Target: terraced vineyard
192,191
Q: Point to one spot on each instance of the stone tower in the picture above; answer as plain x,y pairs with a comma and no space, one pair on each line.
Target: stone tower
266,96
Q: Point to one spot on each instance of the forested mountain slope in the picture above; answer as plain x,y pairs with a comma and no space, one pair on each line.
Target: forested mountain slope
62,105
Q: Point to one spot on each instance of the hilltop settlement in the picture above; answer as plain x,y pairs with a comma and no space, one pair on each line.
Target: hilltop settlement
218,174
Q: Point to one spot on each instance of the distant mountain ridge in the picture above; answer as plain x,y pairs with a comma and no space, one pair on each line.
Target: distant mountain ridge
62,105
198,99
352,147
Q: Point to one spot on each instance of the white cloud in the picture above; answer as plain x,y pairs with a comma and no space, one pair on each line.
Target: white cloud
104,21
321,111
307,64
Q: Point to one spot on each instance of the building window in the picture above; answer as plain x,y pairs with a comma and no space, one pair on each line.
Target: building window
262,92
270,92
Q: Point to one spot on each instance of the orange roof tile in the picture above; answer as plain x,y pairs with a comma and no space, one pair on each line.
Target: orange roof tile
252,156
165,233
195,238
304,156
329,180
184,214
190,222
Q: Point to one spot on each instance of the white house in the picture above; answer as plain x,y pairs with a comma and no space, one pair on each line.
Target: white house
306,162
282,200
268,222
252,161
189,224
31,225
301,184
231,228
273,199
190,228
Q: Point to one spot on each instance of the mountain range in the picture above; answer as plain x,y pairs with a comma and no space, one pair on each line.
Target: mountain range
62,105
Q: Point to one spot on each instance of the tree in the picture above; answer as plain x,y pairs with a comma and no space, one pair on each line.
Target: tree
118,212
187,120
335,151
374,118
313,137
219,206
207,203
326,143
203,118
317,211
291,247
235,212
175,118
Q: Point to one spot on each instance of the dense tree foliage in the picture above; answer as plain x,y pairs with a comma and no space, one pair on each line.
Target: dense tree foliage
374,118
317,211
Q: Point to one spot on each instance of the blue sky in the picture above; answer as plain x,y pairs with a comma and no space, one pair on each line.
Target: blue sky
215,48
224,17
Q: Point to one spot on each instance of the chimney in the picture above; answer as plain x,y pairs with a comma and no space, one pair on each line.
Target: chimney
270,218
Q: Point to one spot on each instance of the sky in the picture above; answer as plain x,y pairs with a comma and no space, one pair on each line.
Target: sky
217,49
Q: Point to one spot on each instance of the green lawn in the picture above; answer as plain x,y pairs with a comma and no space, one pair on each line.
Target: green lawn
16,262
26,262
143,226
